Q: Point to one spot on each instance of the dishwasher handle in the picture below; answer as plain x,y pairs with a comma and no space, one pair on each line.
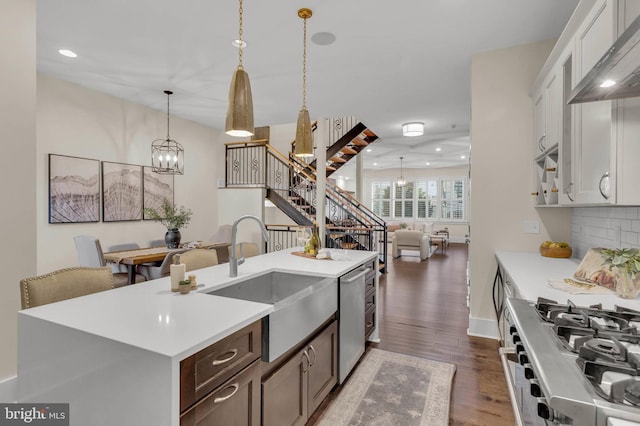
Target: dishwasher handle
355,277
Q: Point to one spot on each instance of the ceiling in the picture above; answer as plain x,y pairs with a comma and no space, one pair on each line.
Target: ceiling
388,64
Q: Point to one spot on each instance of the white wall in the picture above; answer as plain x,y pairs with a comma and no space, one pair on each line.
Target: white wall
76,121
18,171
501,171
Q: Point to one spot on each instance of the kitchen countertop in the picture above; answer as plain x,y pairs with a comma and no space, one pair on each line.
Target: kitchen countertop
149,316
531,272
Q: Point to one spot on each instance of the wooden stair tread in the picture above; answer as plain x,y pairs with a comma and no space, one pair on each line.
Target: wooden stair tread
369,133
358,141
331,168
349,150
348,245
337,159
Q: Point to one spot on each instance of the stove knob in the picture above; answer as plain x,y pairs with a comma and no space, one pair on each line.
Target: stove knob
516,338
523,358
528,371
544,410
534,388
512,329
519,348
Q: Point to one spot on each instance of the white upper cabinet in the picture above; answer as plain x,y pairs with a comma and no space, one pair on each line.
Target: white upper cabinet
593,142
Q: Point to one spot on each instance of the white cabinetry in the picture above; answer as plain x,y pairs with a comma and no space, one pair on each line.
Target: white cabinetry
594,142
593,145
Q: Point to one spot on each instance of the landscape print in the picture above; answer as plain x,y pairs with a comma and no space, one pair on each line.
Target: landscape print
121,192
156,188
74,189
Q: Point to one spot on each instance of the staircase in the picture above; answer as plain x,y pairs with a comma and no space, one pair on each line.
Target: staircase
290,184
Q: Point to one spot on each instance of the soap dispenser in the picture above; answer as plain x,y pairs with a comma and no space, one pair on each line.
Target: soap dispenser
177,271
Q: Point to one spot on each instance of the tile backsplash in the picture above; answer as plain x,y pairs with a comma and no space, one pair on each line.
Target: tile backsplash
610,227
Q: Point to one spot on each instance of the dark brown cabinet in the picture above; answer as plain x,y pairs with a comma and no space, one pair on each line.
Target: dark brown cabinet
291,393
220,385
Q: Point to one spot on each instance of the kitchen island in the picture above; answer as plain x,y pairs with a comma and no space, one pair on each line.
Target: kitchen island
115,356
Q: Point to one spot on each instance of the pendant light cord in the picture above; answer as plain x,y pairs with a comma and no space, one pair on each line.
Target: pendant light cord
304,67
168,94
240,38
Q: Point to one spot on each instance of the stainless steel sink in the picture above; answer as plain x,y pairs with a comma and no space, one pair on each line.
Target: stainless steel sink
301,304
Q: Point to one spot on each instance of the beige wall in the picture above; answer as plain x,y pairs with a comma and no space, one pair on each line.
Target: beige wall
76,121
502,171
18,171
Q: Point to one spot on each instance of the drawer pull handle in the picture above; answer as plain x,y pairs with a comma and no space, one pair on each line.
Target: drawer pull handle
235,387
313,351
306,355
369,324
233,353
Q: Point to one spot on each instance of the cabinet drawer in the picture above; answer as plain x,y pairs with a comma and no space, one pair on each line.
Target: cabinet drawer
207,369
236,402
369,321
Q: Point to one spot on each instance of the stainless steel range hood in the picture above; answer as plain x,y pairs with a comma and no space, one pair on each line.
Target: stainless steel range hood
621,64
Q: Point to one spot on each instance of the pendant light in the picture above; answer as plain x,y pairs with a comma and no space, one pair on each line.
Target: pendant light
240,107
401,181
167,155
304,137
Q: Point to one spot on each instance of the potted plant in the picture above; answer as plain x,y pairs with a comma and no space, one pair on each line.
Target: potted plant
173,218
403,225
625,263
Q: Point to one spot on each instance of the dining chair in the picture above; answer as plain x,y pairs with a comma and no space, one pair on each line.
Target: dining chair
245,250
157,243
90,255
116,267
222,235
199,258
64,284
151,272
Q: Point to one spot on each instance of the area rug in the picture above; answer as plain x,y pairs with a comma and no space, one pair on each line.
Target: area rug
393,389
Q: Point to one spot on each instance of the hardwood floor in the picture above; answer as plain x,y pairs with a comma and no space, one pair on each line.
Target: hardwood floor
423,312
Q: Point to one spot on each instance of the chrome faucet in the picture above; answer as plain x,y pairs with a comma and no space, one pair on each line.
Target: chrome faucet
233,260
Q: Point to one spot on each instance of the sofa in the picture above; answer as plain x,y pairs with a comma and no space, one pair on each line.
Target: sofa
406,239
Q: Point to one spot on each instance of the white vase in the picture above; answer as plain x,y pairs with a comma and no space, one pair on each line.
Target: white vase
626,286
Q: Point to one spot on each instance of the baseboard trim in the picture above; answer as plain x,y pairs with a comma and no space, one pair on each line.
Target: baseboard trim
9,389
480,327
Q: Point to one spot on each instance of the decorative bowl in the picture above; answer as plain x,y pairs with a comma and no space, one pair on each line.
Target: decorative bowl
557,252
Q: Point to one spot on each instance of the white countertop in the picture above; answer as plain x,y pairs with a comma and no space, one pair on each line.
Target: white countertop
531,272
149,316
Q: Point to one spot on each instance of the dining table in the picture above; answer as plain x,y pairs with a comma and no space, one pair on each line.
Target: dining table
132,258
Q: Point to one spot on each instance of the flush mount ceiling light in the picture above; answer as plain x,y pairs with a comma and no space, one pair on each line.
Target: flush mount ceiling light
68,53
413,129
401,181
304,137
607,83
240,108
167,155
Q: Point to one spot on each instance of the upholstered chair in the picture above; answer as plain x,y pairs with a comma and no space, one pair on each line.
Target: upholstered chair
222,235
90,255
245,250
410,240
199,258
64,284
116,267
152,272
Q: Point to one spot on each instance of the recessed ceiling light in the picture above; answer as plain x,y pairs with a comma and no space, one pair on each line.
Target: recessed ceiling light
462,157
427,164
236,43
68,53
375,164
346,178
369,150
608,83
438,149
323,38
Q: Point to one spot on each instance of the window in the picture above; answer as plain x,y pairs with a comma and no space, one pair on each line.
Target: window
381,198
433,199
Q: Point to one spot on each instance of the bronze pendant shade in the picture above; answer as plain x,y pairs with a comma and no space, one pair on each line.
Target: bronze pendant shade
240,108
304,136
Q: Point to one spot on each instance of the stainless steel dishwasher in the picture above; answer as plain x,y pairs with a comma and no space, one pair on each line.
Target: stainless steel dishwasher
351,320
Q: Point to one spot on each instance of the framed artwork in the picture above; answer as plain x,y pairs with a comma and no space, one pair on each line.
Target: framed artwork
156,187
74,189
121,192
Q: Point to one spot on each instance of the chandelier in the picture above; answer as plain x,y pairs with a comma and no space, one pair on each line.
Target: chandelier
401,181
167,155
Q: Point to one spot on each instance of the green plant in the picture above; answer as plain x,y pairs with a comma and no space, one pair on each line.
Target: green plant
403,225
170,216
625,259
